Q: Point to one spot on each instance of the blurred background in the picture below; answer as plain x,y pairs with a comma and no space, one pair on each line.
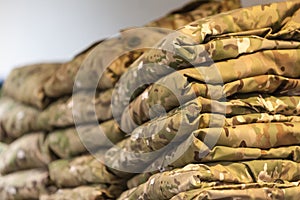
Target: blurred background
55,30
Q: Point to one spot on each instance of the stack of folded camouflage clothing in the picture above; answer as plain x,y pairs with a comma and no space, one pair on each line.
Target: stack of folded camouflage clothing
219,104
41,154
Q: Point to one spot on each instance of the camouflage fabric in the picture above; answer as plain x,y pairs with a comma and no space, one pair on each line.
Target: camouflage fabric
62,112
193,11
26,84
195,129
272,22
63,81
184,120
16,119
168,184
66,143
81,171
244,191
28,152
201,153
177,90
25,185
3,147
93,192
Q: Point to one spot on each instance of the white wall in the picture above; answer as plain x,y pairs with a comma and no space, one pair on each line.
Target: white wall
54,30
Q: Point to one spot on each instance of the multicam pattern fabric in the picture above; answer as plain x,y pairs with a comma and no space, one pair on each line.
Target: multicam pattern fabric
62,112
244,191
28,152
82,170
93,61
249,54
184,85
3,147
16,119
93,192
184,120
67,143
230,135
168,184
38,99
272,22
25,185
203,154
26,84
